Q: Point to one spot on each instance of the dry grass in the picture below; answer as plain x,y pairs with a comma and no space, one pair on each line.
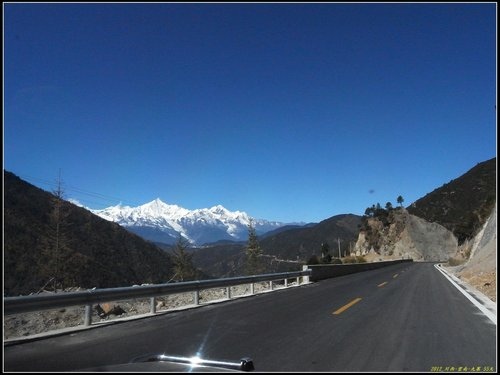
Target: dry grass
485,282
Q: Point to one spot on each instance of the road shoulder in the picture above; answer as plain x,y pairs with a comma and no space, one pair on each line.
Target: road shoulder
481,301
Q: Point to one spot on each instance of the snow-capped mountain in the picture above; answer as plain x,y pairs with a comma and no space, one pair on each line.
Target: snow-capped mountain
161,222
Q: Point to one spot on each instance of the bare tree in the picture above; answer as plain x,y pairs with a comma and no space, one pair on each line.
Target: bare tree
58,246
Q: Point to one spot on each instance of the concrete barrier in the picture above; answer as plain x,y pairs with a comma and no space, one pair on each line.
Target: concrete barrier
326,271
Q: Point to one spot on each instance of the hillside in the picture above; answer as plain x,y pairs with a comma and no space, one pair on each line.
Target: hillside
439,226
462,205
283,250
92,252
301,243
221,260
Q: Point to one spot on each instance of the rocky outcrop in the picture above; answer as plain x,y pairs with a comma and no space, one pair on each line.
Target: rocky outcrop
399,234
484,245
480,270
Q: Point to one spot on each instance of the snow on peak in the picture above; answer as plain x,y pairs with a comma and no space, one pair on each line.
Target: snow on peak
198,226
219,209
158,208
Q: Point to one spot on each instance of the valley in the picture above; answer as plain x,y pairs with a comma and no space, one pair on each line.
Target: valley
103,250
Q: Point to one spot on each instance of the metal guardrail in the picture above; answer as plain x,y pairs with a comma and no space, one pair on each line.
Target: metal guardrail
15,305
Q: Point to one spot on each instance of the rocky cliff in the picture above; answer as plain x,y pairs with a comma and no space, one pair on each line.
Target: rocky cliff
397,234
483,252
480,270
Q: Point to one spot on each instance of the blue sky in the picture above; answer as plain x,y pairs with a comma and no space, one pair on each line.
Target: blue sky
290,112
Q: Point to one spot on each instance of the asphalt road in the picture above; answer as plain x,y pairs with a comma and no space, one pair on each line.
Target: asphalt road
404,317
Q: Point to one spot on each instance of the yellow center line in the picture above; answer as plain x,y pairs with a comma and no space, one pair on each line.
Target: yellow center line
345,307
396,275
380,285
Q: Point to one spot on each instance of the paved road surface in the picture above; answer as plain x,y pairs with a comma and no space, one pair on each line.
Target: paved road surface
404,317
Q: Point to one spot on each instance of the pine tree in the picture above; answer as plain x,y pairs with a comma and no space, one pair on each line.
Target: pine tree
325,253
400,200
253,265
183,262
369,212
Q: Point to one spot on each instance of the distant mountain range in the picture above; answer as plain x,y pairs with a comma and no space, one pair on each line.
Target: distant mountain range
160,222
462,206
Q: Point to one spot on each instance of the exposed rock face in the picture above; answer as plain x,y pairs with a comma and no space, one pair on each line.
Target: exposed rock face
481,268
426,241
483,251
402,235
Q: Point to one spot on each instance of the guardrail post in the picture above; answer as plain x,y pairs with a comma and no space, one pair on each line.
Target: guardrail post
228,292
286,283
271,285
197,297
87,320
252,289
152,305
305,278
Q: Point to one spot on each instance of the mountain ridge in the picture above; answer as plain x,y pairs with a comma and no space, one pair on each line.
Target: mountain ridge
92,252
158,221
462,205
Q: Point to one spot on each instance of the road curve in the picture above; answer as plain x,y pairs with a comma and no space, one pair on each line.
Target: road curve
404,317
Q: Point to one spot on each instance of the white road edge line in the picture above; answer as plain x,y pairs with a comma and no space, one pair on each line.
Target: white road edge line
492,316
